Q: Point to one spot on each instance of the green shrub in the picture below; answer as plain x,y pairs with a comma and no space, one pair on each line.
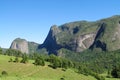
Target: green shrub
24,59
116,72
16,60
62,79
39,61
11,60
4,73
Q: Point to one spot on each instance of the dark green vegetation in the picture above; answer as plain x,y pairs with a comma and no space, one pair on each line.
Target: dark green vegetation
1,51
24,58
4,73
116,71
39,61
98,62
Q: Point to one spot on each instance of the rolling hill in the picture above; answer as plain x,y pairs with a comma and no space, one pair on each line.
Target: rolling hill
20,71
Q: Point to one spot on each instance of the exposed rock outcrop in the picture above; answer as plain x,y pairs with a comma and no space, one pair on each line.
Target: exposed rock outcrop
20,44
83,42
50,42
24,46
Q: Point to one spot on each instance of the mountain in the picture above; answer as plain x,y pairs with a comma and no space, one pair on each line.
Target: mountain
101,35
20,44
24,46
78,36
32,46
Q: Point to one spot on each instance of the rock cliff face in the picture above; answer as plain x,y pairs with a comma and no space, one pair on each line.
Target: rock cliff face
20,44
83,42
70,36
78,36
24,46
51,41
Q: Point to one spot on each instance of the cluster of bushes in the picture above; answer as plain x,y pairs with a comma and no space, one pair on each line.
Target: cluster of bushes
86,71
13,52
24,59
39,60
58,62
116,71
4,73
1,52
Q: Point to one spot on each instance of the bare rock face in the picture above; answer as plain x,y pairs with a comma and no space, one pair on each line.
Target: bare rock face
69,36
20,44
97,41
50,42
84,42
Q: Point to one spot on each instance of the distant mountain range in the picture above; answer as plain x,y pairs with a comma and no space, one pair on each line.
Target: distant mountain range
101,35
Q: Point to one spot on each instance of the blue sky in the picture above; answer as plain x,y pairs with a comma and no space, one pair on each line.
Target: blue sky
32,19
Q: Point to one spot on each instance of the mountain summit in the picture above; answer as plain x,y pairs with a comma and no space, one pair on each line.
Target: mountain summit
101,35
24,46
20,44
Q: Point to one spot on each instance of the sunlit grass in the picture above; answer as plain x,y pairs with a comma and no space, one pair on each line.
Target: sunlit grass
20,71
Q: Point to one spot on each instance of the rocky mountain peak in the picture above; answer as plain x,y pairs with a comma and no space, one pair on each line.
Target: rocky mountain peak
54,30
20,44
81,35
24,46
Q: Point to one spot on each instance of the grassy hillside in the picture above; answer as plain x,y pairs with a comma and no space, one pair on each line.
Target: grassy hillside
20,71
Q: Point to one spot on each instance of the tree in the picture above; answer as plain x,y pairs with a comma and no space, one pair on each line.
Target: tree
4,73
17,53
70,64
24,58
51,58
56,63
109,74
64,63
11,60
12,52
16,60
80,70
98,77
39,61
116,72
0,50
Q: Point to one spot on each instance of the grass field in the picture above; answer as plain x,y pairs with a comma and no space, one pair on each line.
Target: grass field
111,79
20,71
